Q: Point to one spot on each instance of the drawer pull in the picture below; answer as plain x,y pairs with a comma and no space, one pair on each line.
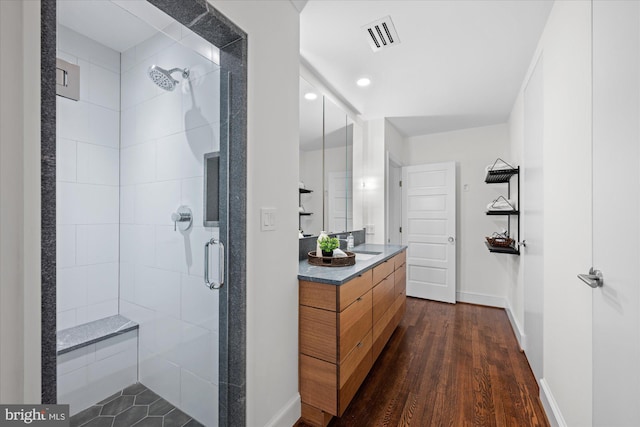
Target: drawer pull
360,344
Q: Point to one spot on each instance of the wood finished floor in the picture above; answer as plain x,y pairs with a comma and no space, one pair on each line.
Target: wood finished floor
448,365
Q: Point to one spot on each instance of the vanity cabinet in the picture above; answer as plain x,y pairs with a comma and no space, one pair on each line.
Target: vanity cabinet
343,329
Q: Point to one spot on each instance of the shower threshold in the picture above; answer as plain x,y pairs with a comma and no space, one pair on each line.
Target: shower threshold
136,406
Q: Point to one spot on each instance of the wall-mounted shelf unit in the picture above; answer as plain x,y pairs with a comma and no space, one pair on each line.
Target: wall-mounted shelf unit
503,176
301,192
503,249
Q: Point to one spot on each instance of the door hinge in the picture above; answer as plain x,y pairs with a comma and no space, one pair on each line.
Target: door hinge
400,183
401,229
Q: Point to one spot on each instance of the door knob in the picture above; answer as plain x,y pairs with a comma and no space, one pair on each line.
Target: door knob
594,279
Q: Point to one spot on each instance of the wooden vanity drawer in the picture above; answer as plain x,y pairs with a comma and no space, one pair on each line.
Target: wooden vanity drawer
353,323
352,384
399,307
318,333
354,288
400,277
319,295
318,383
361,351
382,270
382,331
383,297
400,259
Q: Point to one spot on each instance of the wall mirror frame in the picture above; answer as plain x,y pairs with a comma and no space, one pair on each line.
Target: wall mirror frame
326,164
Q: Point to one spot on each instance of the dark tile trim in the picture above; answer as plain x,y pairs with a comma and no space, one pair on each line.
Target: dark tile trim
48,201
209,23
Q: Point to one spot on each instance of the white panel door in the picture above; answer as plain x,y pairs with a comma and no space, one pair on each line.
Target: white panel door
429,230
533,219
616,213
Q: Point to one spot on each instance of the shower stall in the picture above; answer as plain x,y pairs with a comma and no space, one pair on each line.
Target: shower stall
142,166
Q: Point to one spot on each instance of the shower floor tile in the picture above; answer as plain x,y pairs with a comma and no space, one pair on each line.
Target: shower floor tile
136,406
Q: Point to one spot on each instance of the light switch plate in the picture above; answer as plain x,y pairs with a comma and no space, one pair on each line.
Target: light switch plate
267,219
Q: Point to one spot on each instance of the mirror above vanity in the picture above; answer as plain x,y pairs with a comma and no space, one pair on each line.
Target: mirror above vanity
326,164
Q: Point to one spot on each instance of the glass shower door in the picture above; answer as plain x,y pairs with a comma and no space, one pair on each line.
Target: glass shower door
167,128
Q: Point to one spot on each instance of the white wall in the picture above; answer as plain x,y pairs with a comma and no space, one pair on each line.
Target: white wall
273,135
87,179
374,159
163,140
565,43
515,283
481,274
394,142
394,151
20,190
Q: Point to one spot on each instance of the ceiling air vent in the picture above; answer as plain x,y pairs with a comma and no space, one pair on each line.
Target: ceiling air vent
381,34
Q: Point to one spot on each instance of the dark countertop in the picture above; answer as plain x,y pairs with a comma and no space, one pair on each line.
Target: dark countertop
340,275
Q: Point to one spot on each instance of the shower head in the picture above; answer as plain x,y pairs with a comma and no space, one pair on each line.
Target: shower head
163,78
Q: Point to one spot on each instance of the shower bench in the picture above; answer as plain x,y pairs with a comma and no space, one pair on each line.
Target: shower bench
95,360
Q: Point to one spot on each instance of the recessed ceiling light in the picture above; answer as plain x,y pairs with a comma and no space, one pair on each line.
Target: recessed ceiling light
364,81
310,96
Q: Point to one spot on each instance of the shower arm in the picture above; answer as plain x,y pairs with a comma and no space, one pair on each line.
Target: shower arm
183,71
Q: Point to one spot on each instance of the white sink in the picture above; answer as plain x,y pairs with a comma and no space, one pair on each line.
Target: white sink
364,257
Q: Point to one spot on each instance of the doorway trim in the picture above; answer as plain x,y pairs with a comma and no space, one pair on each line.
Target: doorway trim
390,160
209,23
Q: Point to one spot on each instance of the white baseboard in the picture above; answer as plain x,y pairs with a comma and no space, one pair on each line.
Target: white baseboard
288,415
494,301
515,325
550,405
480,299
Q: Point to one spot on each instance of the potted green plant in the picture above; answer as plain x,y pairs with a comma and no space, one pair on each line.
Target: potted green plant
328,244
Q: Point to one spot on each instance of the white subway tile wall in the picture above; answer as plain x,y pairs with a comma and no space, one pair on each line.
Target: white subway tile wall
129,153
88,184
89,374
164,136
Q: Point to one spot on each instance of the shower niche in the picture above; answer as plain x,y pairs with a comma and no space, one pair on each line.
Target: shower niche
212,189
141,139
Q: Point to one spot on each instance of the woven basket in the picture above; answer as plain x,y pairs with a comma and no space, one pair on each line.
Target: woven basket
327,261
500,241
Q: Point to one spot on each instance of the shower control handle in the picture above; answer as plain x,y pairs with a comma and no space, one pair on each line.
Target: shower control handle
182,218
207,282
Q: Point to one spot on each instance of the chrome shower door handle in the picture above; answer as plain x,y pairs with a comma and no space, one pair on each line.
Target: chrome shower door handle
220,282
594,279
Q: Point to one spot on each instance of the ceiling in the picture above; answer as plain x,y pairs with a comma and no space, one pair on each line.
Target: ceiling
459,64
113,23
